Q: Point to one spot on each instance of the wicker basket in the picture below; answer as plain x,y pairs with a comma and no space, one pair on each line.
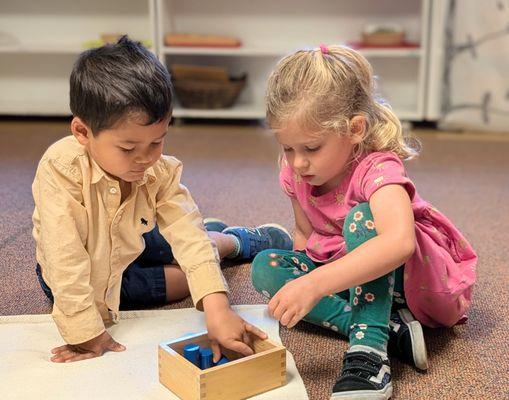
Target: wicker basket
205,94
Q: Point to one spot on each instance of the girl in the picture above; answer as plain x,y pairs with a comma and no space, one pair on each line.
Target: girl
366,244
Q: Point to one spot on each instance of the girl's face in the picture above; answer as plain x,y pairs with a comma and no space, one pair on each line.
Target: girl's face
320,159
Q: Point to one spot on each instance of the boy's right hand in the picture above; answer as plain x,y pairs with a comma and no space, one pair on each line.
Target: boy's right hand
91,348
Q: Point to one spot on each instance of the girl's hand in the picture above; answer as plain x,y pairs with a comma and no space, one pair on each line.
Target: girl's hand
294,300
227,328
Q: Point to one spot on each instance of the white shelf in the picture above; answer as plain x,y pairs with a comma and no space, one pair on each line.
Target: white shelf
239,111
247,111
268,31
278,52
39,42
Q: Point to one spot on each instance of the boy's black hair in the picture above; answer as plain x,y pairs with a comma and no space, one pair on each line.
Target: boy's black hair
111,81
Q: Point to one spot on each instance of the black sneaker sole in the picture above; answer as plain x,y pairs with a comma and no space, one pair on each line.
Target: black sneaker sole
417,337
383,394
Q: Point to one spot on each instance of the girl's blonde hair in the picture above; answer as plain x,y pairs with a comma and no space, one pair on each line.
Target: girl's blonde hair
323,89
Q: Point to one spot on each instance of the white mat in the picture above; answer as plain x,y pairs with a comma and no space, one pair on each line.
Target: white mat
27,373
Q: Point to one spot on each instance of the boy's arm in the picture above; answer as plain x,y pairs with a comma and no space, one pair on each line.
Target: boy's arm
65,261
303,228
181,223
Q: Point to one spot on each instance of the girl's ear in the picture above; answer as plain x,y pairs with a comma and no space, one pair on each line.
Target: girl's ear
80,130
357,129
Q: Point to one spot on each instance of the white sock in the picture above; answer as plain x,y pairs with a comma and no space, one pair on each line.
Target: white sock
236,251
368,349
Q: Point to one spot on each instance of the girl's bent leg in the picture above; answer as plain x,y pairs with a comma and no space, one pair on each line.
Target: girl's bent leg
371,301
272,269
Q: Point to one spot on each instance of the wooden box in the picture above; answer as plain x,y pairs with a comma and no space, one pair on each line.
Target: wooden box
240,378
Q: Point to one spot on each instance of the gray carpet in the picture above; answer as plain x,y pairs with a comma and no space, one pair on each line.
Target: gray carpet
232,173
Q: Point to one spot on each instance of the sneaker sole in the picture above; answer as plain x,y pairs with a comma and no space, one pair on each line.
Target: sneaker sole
417,337
275,226
207,220
384,394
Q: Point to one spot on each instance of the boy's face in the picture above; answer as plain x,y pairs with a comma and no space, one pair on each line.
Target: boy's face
125,151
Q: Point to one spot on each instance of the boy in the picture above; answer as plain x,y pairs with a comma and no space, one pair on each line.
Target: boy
98,196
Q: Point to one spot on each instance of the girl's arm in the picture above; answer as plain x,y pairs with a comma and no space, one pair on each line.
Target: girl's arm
303,227
395,243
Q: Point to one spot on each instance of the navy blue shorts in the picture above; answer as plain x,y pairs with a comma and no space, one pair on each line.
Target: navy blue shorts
143,282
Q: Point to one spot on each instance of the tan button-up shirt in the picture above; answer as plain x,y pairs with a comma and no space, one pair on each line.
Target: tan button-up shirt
86,237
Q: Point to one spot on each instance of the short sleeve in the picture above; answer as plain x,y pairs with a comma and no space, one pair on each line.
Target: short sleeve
286,178
381,169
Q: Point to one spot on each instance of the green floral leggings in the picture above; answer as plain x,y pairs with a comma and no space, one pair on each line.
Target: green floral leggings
360,313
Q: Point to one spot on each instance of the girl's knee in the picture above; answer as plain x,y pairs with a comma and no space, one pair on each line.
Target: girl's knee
359,226
263,271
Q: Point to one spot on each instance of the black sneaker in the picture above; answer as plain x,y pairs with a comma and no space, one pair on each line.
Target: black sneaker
365,375
406,340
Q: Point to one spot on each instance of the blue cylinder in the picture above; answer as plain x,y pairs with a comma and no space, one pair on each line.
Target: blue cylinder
222,360
206,358
192,353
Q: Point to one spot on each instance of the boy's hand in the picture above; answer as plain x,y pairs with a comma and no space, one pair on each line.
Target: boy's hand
294,300
92,348
227,328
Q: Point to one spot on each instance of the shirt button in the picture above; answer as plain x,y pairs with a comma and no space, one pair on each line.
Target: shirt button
113,190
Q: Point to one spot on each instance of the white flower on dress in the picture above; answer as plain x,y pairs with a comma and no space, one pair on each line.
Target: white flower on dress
397,294
369,224
273,264
295,260
352,227
378,180
363,326
391,280
347,308
272,255
359,335
266,294
355,301
296,271
391,290
334,328
358,290
326,324
358,216
304,267
399,300
369,297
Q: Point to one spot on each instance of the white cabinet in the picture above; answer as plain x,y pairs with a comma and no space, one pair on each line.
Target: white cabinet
39,42
270,29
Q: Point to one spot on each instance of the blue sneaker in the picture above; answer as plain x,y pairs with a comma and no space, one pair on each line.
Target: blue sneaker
263,237
214,225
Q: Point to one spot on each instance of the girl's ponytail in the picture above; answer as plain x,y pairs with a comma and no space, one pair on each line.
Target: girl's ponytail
386,134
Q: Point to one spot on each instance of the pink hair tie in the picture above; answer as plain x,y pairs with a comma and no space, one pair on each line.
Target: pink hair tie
324,49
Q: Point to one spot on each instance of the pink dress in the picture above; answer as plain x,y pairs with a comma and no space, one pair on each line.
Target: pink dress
438,278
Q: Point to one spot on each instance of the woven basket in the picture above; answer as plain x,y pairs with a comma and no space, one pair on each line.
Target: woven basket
203,94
